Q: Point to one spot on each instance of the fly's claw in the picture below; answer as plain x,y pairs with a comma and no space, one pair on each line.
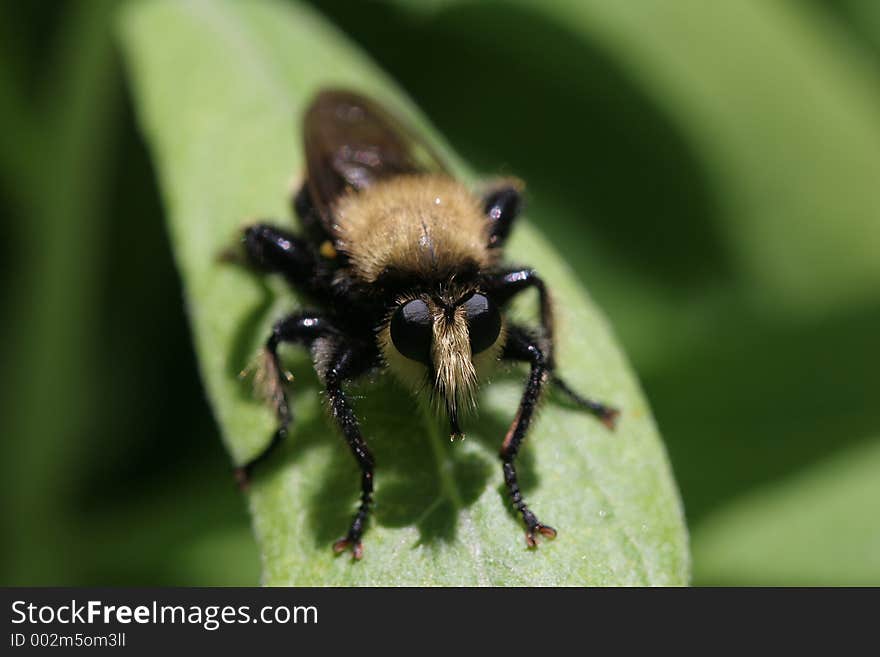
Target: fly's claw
535,526
544,530
609,417
357,548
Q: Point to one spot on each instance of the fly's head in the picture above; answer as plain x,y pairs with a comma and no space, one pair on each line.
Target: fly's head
443,343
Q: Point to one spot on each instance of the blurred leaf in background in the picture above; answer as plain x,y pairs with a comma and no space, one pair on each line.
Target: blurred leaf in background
709,170
112,470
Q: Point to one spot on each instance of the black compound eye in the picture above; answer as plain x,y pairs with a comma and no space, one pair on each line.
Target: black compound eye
484,322
412,332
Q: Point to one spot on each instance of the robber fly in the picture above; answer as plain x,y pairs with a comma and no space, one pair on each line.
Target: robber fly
403,266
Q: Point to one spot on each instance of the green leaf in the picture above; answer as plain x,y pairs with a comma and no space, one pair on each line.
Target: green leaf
817,528
220,89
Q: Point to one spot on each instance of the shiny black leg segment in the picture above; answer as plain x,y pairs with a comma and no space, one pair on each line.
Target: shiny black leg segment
275,250
502,206
520,347
301,328
504,285
346,364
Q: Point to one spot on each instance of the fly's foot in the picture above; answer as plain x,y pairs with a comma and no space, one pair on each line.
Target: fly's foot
353,538
357,548
608,416
534,527
545,530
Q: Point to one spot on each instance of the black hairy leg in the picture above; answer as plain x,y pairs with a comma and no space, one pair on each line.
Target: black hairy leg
520,347
502,206
345,364
277,251
503,285
300,328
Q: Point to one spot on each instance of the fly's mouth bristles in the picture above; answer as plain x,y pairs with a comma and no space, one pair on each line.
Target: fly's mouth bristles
455,379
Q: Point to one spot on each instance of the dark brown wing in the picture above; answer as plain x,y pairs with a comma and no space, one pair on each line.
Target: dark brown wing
352,143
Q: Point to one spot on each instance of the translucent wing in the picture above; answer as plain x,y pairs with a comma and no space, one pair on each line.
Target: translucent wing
352,143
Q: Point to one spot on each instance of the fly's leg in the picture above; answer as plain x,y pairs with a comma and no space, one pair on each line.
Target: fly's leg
520,348
505,285
346,364
606,414
301,328
277,251
502,206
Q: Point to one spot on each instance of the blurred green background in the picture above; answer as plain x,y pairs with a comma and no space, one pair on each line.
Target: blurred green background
709,170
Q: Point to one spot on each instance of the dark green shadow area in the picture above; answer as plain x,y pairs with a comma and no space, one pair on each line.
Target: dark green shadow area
153,454
859,18
142,457
785,397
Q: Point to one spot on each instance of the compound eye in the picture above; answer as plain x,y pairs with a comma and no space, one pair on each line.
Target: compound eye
484,322
411,330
